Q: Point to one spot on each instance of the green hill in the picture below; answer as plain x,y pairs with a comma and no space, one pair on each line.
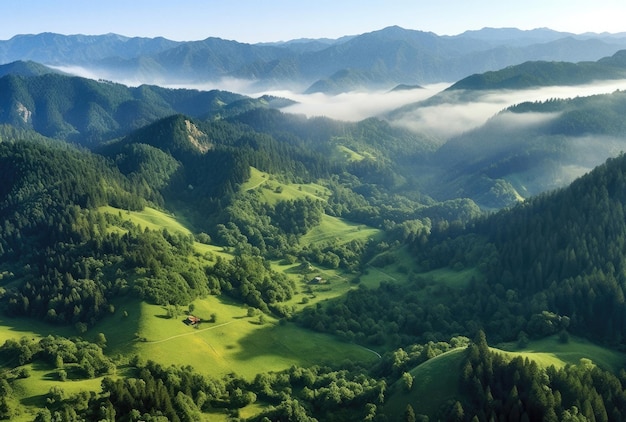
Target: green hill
544,73
269,265
437,382
87,111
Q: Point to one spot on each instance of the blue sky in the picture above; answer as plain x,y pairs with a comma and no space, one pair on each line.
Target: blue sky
274,20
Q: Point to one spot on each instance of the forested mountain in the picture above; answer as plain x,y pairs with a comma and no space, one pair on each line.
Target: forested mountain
380,59
532,74
213,229
57,49
520,152
531,148
25,68
87,111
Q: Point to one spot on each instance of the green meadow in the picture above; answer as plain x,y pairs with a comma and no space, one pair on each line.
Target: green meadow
154,219
272,190
436,381
551,351
234,343
333,229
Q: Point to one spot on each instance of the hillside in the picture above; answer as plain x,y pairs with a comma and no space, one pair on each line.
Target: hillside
532,74
211,257
530,148
87,111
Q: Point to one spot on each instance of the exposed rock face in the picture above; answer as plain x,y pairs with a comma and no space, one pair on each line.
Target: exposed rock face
198,138
24,113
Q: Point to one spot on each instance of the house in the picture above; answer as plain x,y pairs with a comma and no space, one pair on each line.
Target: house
318,280
192,320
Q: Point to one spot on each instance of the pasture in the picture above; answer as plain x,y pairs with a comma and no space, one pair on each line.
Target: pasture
550,351
235,342
434,383
272,190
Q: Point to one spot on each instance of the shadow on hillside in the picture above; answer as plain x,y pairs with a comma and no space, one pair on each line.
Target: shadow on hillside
121,327
303,347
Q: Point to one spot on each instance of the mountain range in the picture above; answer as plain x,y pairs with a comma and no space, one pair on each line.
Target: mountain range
522,151
170,253
381,59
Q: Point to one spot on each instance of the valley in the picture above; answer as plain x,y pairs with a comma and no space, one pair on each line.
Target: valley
182,254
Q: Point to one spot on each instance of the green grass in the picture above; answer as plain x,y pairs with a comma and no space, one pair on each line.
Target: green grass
337,230
29,327
550,351
348,154
402,264
434,383
338,284
452,278
273,191
235,342
437,380
150,218
154,219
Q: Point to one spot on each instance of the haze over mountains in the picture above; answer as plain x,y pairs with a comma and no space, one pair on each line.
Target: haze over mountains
340,217
379,59
475,157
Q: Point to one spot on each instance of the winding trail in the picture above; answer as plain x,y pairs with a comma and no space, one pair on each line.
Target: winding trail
189,334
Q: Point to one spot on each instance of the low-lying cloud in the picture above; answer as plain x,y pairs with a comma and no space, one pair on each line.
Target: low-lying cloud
456,114
355,106
443,119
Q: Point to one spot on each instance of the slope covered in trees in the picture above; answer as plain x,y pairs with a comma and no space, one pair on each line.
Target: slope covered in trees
435,274
87,111
544,73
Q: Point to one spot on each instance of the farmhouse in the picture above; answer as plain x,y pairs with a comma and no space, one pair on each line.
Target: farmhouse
192,320
318,280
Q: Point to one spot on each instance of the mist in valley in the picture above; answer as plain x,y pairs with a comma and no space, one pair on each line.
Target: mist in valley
456,112
473,129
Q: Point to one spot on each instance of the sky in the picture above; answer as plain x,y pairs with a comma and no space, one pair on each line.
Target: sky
252,21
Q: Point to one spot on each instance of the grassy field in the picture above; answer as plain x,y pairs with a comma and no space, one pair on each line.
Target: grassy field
550,351
159,220
333,229
437,380
273,191
235,343
434,383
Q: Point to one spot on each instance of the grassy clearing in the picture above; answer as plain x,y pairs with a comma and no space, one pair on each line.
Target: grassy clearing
452,278
157,220
307,294
337,230
235,342
434,383
349,154
28,327
401,264
150,218
273,191
550,351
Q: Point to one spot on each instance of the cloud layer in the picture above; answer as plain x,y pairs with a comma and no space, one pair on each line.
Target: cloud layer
456,115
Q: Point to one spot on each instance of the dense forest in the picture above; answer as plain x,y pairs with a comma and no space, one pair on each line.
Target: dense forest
274,208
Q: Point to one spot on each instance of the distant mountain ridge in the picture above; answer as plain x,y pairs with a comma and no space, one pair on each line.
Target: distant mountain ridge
87,111
378,59
544,73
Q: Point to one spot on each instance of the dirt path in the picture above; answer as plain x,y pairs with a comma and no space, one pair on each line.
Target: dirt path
372,351
189,334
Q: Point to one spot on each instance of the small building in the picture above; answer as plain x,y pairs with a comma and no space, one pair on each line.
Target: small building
192,320
318,280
